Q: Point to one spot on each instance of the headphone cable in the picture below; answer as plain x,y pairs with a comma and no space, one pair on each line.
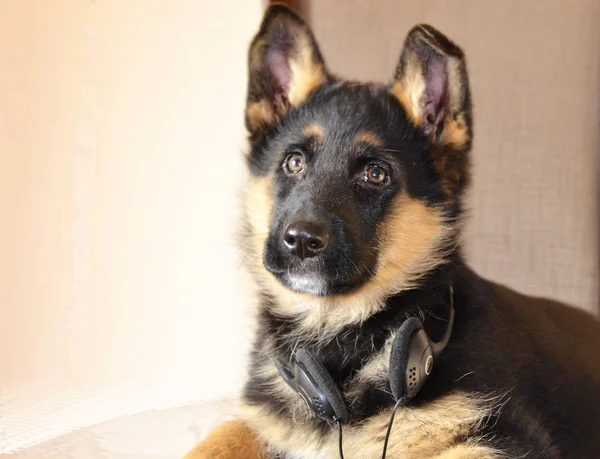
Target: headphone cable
387,434
390,423
339,423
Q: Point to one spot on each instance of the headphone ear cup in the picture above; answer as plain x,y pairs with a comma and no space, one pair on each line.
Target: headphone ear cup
325,382
400,355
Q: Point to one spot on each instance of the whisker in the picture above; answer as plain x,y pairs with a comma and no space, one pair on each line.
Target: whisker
390,150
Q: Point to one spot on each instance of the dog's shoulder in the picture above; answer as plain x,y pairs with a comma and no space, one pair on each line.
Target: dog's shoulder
538,355
557,334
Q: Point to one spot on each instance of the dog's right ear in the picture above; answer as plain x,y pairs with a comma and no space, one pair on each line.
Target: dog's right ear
285,66
432,85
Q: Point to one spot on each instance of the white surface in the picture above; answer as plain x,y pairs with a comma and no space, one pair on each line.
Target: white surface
165,434
121,153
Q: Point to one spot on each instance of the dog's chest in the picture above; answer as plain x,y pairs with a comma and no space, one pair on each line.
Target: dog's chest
285,423
417,432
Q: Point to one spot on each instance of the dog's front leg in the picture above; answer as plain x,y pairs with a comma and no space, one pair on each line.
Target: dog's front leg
230,440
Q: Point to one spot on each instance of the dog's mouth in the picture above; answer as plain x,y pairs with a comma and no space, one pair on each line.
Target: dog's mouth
339,267
317,283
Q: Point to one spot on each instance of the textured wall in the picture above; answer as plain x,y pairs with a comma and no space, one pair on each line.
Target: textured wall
535,75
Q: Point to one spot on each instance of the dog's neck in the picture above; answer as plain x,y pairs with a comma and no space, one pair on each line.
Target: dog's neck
429,302
307,319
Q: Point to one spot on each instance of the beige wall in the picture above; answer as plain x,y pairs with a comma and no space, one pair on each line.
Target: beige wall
120,142
535,75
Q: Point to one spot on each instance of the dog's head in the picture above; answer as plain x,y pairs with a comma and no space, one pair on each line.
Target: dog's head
355,189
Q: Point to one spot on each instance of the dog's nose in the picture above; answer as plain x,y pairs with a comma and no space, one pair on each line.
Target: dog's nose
306,239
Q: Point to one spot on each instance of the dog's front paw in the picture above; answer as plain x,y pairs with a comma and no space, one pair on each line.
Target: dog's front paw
230,440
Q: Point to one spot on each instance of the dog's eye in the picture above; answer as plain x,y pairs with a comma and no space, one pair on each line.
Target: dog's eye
375,174
294,163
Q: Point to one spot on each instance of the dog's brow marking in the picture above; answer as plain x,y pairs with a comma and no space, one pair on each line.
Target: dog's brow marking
314,130
368,137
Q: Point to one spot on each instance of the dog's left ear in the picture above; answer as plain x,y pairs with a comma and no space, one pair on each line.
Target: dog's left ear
432,85
284,65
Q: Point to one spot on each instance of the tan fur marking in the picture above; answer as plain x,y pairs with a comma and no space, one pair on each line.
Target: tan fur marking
314,130
368,137
455,132
307,74
260,115
409,89
469,451
408,94
417,432
258,206
411,239
230,439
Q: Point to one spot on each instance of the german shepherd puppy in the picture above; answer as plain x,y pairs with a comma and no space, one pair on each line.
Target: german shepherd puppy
352,221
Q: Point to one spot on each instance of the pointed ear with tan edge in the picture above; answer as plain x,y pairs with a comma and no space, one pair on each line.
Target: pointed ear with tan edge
432,85
285,66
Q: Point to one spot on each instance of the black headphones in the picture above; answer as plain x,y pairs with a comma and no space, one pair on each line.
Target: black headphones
411,362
